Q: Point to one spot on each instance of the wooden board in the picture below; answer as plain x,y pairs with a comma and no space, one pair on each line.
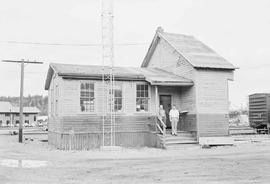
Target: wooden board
216,141
86,141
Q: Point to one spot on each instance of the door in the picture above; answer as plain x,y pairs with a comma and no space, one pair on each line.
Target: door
166,101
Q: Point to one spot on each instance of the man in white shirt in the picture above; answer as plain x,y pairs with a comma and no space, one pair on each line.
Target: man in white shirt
174,117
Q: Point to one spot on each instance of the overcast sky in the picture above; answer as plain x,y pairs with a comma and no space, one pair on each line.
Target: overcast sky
236,29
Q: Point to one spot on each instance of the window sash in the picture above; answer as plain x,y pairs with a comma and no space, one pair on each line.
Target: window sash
142,97
118,99
87,97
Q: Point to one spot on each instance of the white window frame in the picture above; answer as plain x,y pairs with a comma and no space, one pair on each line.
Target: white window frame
94,97
122,104
148,101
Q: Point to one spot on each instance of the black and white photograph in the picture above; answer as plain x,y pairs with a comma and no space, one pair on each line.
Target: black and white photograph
134,91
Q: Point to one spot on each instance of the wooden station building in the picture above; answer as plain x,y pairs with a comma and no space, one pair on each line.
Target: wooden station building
177,69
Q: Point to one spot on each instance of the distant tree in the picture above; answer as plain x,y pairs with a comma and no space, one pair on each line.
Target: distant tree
39,101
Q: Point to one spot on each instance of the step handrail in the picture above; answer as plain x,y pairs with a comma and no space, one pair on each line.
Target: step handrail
159,128
163,125
162,130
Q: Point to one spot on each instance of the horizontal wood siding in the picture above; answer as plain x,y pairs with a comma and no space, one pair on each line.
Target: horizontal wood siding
71,97
163,56
213,125
93,123
129,97
187,98
212,91
55,92
187,94
212,102
54,124
187,122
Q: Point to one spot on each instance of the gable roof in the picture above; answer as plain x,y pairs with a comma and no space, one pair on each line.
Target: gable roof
154,76
33,110
6,107
194,51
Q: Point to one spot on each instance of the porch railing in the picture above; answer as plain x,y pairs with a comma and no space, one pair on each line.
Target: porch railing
160,121
161,128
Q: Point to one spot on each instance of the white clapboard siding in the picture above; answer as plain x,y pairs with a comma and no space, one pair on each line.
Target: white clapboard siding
163,57
212,102
129,97
212,91
69,98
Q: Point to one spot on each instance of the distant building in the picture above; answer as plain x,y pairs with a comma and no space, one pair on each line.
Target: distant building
10,115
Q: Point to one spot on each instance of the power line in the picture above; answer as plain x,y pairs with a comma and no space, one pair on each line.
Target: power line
70,44
255,67
39,72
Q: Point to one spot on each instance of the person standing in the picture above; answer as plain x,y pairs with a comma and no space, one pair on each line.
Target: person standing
174,117
162,114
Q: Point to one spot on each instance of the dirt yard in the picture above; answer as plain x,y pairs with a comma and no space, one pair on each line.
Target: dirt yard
36,162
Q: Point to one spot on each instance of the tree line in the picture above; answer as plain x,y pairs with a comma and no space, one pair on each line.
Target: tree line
39,101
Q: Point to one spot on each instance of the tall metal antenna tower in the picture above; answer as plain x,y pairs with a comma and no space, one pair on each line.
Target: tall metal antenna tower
108,113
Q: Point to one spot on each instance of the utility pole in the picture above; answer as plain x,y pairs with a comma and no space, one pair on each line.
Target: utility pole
22,62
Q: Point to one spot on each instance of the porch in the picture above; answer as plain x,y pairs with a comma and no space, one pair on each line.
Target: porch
175,90
180,92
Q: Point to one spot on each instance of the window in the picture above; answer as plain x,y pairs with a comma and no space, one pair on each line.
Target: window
117,98
26,115
142,97
7,115
87,97
7,122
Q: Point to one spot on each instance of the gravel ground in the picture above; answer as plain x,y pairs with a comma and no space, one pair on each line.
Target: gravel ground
37,162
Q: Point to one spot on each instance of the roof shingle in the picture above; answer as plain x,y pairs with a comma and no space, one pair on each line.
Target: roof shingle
194,51
151,75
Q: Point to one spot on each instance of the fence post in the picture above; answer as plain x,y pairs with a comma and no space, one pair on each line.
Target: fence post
71,135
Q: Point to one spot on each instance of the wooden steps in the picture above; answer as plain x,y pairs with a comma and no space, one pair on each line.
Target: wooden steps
174,142
241,130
